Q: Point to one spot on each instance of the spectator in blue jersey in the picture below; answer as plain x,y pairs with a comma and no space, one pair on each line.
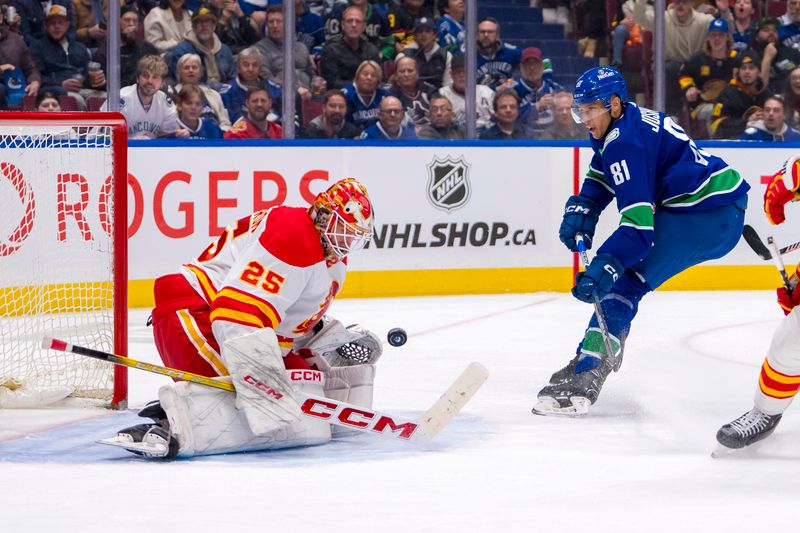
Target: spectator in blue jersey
772,126
234,96
191,124
234,27
745,24
218,64
376,30
364,95
679,206
497,60
790,24
342,55
32,14
433,61
506,125
391,124
331,123
450,26
535,92
309,27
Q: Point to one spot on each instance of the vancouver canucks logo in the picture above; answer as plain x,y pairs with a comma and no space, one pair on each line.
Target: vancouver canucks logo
448,183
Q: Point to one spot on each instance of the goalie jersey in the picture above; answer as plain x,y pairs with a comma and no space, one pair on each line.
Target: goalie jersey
647,162
268,270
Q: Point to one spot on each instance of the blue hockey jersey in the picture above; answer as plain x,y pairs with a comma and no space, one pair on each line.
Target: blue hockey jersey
359,112
499,67
648,162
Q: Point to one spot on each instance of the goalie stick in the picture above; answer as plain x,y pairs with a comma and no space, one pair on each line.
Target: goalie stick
322,408
772,252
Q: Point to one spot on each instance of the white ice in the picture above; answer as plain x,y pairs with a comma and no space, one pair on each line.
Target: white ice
639,462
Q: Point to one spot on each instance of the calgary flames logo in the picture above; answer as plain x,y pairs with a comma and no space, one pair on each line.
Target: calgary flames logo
11,242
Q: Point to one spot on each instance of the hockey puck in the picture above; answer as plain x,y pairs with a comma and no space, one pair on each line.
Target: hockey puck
397,336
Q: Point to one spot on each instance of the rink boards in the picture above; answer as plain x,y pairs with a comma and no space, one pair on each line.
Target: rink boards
458,218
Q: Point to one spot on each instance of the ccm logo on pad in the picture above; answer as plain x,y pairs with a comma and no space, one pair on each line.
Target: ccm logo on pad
263,387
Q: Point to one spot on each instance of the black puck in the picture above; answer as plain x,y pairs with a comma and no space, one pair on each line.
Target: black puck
397,336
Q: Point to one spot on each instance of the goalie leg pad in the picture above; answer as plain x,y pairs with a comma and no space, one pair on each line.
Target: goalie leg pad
205,421
263,391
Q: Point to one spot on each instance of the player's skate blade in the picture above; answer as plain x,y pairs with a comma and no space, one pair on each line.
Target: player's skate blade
549,406
148,449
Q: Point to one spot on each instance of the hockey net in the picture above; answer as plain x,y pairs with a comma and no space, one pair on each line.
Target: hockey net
63,259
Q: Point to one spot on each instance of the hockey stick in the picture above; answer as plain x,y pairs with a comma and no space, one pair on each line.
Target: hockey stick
755,242
321,408
601,321
757,245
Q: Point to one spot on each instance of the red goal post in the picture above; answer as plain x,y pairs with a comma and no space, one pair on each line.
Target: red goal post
63,254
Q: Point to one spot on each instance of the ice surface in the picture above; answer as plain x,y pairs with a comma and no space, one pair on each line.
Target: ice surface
640,461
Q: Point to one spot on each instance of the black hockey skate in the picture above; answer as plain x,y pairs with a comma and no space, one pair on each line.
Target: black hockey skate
152,440
751,427
573,393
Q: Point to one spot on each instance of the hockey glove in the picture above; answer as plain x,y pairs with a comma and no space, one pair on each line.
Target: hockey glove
788,300
777,195
598,279
580,215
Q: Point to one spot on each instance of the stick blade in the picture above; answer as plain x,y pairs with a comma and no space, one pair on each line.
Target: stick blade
453,400
756,244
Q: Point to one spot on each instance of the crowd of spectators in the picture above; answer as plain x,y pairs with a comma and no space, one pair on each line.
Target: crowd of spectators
190,68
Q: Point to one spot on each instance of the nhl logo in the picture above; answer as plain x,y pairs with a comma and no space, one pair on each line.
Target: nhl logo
448,183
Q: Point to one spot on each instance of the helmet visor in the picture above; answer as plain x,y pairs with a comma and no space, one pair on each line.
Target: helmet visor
344,237
583,113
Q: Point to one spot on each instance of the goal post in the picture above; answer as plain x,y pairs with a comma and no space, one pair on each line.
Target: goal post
63,255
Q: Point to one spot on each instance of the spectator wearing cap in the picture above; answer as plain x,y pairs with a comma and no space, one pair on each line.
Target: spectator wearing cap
497,60
742,100
484,96
534,91
684,35
790,24
63,62
15,56
706,73
342,55
450,26
32,14
402,15
202,40
271,50
132,47
376,23
745,24
166,25
506,114
772,124
434,62
777,59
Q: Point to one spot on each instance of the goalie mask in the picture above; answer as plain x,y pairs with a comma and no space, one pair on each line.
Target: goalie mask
343,216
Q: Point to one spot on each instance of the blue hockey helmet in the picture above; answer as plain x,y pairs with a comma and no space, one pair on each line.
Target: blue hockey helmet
600,84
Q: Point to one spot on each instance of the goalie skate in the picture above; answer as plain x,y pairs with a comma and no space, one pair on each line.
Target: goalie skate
574,393
152,441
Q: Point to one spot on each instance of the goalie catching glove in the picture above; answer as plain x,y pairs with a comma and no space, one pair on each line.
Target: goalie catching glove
784,187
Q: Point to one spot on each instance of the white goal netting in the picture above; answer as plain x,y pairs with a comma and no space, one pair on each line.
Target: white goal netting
57,261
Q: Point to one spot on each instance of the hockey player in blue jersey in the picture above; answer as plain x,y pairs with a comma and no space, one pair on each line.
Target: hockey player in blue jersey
679,206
